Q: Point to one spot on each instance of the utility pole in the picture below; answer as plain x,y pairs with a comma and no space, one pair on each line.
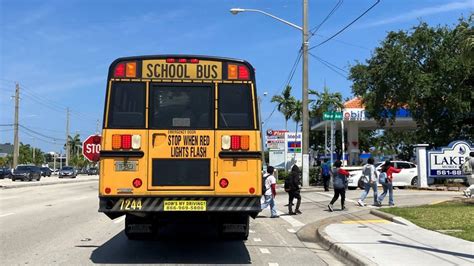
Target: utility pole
67,136
16,146
305,143
97,128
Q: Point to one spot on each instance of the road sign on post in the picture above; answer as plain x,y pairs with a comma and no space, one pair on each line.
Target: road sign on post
337,116
91,148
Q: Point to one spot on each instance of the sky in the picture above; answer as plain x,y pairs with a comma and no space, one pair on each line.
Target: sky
59,51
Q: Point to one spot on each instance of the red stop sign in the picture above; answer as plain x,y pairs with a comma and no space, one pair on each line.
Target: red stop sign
91,148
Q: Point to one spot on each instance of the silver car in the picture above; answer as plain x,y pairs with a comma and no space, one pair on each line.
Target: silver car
68,171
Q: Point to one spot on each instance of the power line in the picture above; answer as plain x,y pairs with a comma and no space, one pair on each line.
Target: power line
40,134
43,140
347,26
329,63
346,43
315,29
328,66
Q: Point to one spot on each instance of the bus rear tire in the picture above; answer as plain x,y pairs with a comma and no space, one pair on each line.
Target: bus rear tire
139,228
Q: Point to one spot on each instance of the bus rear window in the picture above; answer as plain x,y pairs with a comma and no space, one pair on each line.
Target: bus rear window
127,105
235,106
181,106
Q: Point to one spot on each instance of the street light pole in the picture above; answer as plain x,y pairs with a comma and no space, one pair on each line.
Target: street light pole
305,116
305,146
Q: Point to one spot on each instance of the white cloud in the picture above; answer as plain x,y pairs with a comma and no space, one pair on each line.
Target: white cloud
427,11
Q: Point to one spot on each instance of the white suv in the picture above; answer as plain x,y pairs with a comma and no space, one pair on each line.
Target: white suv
407,176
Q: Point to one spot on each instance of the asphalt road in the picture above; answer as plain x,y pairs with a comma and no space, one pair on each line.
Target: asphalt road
59,224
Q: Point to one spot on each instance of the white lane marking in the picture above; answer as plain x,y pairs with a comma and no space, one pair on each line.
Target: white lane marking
9,198
290,220
291,230
273,264
265,251
257,240
119,220
6,214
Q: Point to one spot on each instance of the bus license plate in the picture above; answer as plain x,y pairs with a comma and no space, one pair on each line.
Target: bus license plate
121,166
185,205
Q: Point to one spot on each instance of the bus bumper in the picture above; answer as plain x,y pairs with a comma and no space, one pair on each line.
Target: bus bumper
114,207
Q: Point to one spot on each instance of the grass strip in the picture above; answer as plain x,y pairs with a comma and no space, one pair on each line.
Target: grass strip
454,218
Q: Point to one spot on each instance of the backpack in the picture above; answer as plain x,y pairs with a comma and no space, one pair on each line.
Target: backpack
383,178
366,174
325,169
264,180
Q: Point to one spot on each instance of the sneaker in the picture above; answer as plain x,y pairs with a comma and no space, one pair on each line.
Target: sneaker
391,204
292,213
343,208
276,216
465,194
361,203
298,212
330,208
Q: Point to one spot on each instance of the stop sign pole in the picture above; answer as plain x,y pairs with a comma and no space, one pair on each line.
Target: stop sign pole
91,148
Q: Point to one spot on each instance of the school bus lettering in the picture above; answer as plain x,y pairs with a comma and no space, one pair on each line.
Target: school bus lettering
162,69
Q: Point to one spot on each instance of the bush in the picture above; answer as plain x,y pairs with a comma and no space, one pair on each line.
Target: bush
315,178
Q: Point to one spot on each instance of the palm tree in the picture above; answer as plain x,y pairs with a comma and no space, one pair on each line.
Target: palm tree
75,145
297,110
285,104
325,100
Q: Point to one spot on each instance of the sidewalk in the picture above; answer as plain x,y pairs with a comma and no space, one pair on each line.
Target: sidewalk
52,180
363,238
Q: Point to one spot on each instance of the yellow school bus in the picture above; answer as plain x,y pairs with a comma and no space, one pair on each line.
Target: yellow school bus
181,140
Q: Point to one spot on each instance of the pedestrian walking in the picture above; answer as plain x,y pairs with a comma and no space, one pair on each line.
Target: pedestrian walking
386,178
326,173
339,181
369,177
269,192
467,169
294,190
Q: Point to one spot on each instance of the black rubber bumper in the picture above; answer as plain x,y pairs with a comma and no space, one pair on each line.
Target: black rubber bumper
156,204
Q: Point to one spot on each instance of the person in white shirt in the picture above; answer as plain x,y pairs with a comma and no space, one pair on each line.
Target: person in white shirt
369,176
270,192
467,168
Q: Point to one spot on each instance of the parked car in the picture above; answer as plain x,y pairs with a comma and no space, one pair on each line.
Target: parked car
93,171
408,176
67,171
26,173
45,171
5,173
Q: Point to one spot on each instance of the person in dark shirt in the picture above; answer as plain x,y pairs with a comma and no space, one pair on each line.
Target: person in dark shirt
294,190
339,179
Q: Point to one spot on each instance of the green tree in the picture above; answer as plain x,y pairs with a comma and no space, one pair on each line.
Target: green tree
285,104
324,100
425,70
75,149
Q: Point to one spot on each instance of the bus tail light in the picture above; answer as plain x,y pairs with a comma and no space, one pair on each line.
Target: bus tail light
232,72
244,142
225,142
137,182
136,142
244,73
235,142
119,70
131,70
223,183
252,190
116,142
108,190
126,142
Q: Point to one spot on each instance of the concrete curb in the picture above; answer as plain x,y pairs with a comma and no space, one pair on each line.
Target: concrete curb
315,233
48,183
392,218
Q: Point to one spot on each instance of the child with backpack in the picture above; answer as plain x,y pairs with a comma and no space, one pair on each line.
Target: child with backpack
292,186
326,173
269,191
